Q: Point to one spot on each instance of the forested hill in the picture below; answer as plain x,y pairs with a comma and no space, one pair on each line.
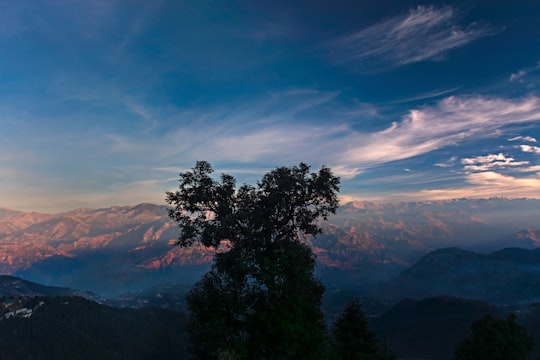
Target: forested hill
76,328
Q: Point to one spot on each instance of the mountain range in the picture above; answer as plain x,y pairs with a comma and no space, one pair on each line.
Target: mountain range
129,248
507,276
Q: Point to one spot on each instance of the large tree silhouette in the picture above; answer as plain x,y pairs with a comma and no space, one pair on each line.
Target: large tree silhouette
260,300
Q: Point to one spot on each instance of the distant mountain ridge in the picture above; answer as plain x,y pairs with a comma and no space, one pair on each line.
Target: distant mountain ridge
125,248
14,286
526,238
507,276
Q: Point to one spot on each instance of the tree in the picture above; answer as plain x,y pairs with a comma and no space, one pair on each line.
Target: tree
260,299
495,339
352,339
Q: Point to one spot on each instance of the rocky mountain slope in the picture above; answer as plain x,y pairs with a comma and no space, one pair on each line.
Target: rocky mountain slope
127,248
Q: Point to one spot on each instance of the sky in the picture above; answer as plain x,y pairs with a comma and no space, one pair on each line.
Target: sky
104,102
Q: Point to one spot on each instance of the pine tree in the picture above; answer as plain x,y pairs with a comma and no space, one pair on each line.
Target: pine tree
352,339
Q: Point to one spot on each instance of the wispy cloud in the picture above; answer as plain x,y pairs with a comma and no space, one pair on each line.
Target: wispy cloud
250,137
425,33
522,138
292,128
522,73
450,122
448,163
486,184
504,182
282,128
429,95
518,75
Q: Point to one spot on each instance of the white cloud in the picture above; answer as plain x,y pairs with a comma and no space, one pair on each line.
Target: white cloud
288,129
448,163
426,32
450,122
247,140
530,149
504,182
523,138
478,185
484,163
482,180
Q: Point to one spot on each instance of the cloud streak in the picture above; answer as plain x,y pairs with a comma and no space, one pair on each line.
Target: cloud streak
522,138
425,33
522,73
448,163
288,129
251,137
449,122
484,185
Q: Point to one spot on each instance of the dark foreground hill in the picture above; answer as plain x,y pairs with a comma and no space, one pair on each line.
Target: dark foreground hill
431,328
76,328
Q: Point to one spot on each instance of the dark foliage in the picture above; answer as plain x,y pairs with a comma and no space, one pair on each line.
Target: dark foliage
495,339
285,204
429,328
260,299
352,338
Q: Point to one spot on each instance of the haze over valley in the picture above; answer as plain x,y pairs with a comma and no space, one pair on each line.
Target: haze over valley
115,250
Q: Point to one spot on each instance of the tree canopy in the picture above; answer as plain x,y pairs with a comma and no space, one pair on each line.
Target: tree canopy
495,339
285,203
260,299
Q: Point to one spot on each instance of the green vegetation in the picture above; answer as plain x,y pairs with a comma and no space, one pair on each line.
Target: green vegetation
495,339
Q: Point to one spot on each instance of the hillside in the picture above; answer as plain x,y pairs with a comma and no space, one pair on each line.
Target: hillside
429,328
508,276
75,328
14,286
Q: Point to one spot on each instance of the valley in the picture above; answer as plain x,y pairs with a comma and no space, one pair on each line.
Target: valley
116,250
429,266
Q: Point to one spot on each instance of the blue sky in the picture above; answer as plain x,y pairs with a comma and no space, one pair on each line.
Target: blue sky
104,102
